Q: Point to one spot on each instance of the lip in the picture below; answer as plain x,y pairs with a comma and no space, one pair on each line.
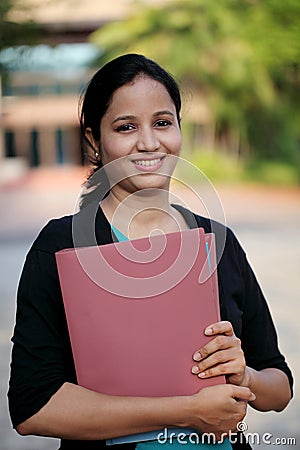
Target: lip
148,164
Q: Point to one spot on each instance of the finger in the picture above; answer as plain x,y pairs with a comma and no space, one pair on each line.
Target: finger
229,368
222,362
223,327
242,393
220,342
221,369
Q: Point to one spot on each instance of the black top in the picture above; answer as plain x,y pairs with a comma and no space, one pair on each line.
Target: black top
42,357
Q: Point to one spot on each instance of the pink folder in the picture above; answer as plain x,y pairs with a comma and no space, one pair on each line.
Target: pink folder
137,311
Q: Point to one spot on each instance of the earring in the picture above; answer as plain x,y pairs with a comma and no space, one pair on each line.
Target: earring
96,155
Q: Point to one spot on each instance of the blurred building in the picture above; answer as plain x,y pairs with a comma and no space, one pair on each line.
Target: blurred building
39,110
40,103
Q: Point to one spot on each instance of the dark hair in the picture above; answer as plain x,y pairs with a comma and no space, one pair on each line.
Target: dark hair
97,96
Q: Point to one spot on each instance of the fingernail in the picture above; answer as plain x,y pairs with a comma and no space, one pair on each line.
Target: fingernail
195,369
252,398
197,356
208,331
202,375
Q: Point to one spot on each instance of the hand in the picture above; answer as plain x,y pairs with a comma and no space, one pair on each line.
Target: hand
222,355
218,409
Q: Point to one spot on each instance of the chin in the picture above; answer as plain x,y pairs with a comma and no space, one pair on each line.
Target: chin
150,181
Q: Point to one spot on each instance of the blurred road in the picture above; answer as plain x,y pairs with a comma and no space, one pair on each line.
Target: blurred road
266,221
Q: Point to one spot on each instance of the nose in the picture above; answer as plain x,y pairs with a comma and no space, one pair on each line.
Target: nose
147,140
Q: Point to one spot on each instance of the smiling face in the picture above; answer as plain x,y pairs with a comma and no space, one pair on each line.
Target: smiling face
140,126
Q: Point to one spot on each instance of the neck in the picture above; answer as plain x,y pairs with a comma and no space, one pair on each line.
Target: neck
139,214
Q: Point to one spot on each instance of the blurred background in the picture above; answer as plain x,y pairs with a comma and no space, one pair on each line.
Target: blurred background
237,63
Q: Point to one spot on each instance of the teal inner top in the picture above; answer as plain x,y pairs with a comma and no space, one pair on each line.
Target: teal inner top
120,236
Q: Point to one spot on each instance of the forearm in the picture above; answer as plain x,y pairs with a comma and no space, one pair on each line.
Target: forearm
78,413
271,387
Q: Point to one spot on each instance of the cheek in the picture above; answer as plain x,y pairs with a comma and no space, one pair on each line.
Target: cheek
177,142
111,149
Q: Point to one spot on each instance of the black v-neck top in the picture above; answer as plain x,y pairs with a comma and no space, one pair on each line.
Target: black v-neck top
42,358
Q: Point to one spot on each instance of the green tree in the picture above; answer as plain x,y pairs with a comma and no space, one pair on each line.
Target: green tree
242,56
15,33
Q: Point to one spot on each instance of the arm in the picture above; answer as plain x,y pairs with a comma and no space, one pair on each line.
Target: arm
78,413
271,387
244,305
45,400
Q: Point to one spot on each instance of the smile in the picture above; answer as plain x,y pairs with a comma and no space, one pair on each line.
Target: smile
148,165
146,162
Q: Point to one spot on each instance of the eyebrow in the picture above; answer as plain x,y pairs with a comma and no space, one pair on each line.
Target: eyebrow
127,117
131,117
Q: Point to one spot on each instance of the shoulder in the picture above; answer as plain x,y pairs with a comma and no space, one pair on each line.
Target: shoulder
89,226
227,244
56,235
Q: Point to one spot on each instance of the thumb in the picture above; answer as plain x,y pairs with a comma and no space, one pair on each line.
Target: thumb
243,393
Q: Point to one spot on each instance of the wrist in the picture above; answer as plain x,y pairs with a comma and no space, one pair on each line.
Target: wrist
248,377
184,411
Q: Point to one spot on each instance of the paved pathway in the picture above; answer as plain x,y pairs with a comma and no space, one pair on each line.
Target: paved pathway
267,222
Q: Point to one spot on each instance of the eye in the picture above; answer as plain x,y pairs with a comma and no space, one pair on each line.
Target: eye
162,123
125,127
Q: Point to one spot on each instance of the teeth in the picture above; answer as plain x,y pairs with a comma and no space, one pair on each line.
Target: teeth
145,162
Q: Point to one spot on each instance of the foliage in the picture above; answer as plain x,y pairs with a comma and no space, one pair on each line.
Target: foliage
13,33
222,168
218,167
272,172
241,55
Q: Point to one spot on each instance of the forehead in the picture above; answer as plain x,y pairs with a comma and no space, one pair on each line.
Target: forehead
141,92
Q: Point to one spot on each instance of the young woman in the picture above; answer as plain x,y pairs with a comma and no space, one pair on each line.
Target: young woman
130,117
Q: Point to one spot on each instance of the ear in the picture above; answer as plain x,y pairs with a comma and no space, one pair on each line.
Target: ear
92,141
